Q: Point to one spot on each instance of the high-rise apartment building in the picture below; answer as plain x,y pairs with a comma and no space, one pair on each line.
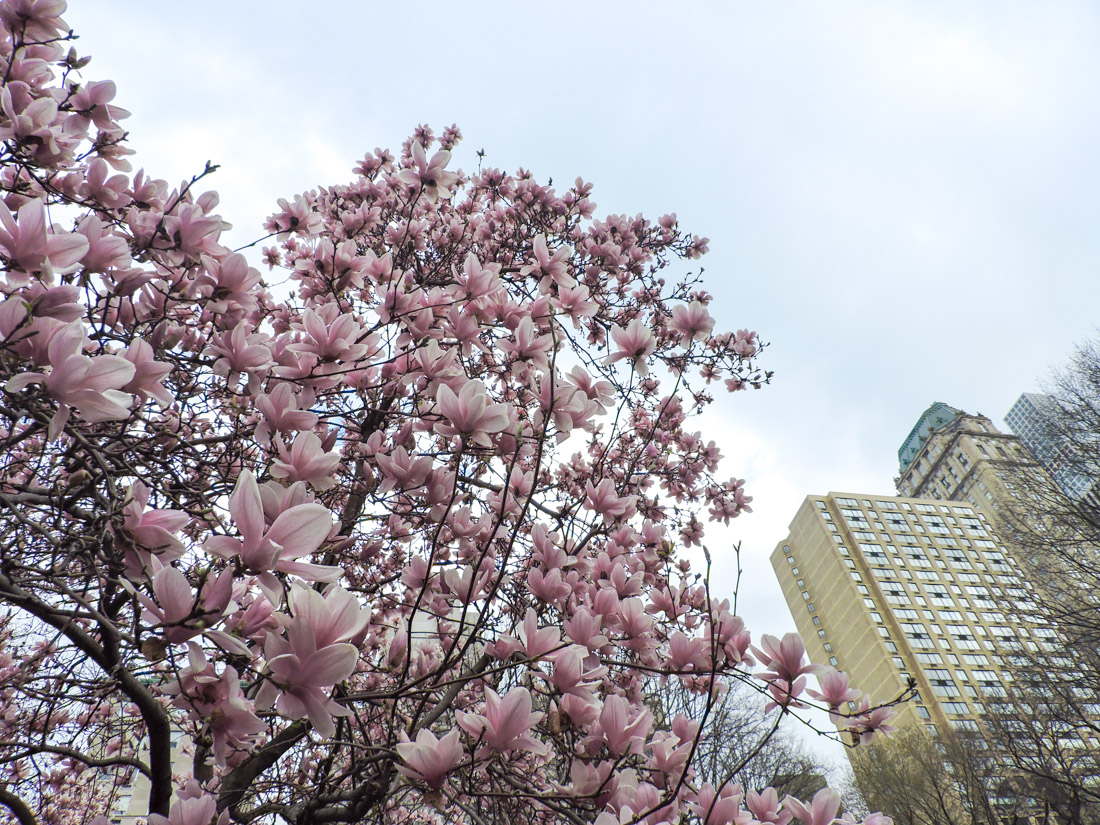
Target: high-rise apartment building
926,585
1029,419
892,588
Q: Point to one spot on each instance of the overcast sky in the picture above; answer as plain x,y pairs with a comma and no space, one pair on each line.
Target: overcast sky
901,197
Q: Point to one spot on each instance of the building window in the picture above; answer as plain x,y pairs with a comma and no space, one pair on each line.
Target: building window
942,684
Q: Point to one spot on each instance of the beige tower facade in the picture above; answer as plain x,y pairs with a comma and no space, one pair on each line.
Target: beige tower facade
951,455
927,586
890,589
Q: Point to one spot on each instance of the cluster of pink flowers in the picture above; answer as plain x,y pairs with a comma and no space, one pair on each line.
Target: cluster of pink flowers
404,542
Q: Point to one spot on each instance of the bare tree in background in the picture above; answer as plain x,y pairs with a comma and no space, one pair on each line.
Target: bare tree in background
741,744
953,779
1048,724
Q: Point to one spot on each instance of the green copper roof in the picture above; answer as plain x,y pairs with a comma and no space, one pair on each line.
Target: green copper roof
936,416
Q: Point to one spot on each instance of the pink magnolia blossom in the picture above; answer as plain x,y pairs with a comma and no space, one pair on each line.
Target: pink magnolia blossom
635,343
766,808
731,634
332,335
106,249
300,673
586,629
623,728
282,412
40,17
537,642
34,121
605,500
506,724
470,414
785,694
298,531
575,303
99,185
193,806
550,588
785,659
217,701
692,321
306,461
60,302
870,721
835,690
239,352
527,346
153,530
477,281
90,385
430,176
230,282
254,622
92,102
821,811
149,374
744,343
686,653
721,807
401,471
296,217
320,620
175,603
549,268
572,673
429,759
192,231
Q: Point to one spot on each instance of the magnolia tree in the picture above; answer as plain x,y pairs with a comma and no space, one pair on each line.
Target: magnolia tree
394,536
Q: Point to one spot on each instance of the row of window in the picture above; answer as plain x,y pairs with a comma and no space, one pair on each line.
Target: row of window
904,505
810,605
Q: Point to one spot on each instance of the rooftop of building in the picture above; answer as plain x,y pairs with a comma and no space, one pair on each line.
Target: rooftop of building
936,416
